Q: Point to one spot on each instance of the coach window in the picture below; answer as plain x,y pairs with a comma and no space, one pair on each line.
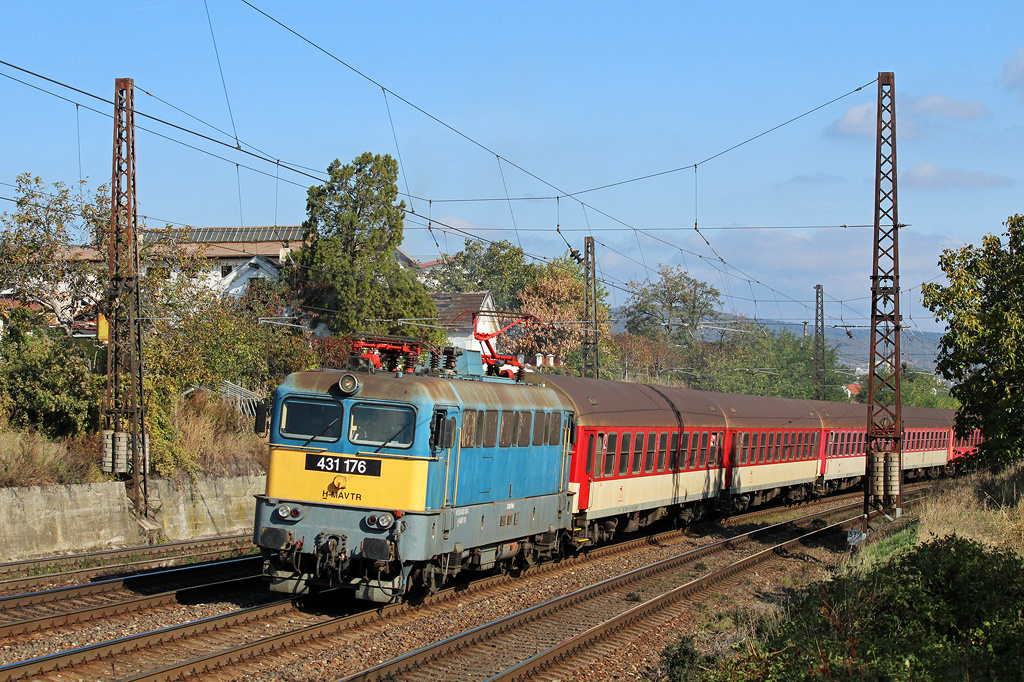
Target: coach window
525,425
684,449
627,440
800,445
716,449
770,450
673,449
703,449
754,440
662,451
744,441
787,448
638,453
778,448
694,450
311,420
652,442
555,429
762,441
609,453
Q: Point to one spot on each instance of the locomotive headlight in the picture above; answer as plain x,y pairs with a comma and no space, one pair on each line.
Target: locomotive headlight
349,384
291,512
382,520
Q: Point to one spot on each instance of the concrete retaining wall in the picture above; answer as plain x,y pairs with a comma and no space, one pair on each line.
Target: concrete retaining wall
42,521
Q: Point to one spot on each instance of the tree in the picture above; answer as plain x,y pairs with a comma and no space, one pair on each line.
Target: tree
983,308
44,381
40,263
671,308
346,272
501,269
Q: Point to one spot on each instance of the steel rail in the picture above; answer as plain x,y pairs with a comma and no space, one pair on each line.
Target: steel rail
118,608
403,665
580,642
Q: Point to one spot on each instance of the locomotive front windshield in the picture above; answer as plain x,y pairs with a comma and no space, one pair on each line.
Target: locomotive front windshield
311,420
381,425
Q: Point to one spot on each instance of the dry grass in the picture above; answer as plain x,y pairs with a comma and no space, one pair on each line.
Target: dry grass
211,438
986,507
28,458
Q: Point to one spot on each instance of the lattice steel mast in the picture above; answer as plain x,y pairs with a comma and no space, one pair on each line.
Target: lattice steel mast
591,364
123,407
883,487
819,343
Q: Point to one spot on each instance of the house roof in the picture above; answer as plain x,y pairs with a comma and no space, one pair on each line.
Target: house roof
452,304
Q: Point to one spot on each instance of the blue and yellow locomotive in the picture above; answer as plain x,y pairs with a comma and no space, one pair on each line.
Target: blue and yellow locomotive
387,480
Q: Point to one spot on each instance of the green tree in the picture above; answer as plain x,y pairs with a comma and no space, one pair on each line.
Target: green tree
346,272
983,308
45,382
501,268
672,308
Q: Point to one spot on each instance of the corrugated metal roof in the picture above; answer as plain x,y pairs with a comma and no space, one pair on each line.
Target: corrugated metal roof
277,233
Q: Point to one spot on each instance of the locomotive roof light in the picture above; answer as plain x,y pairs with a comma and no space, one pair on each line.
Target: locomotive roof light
349,384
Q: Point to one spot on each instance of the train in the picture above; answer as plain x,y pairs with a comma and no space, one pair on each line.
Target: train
388,479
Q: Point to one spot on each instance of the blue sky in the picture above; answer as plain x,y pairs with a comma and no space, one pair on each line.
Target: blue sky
570,96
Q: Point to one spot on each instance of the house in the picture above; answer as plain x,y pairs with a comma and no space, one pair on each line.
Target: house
455,314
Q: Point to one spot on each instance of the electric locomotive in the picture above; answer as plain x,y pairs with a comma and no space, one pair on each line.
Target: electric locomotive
385,480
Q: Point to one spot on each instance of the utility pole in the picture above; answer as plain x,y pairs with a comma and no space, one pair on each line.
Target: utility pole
819,343
123,407
883,487
591,361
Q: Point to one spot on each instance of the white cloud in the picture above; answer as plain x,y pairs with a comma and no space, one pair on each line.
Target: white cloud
857,121
930,176
1013,72
942,106
862,120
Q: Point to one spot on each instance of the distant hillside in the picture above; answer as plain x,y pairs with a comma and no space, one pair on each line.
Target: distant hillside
918,348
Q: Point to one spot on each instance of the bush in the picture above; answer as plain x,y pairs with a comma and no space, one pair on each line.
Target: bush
28,458
948,609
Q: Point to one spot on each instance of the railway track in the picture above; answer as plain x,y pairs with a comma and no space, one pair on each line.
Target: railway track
82,603
520,645
21,576
232,639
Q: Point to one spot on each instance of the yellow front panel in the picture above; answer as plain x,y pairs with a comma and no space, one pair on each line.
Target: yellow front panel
402,483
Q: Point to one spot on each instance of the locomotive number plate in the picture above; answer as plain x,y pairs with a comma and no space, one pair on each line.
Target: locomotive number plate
343,465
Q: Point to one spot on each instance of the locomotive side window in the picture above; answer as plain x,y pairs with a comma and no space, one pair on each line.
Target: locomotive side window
538,428
627,440
555,429
673,449
316,420
638,453
525,425
509,420
391,425
609,454
490,430
652,441
468,428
